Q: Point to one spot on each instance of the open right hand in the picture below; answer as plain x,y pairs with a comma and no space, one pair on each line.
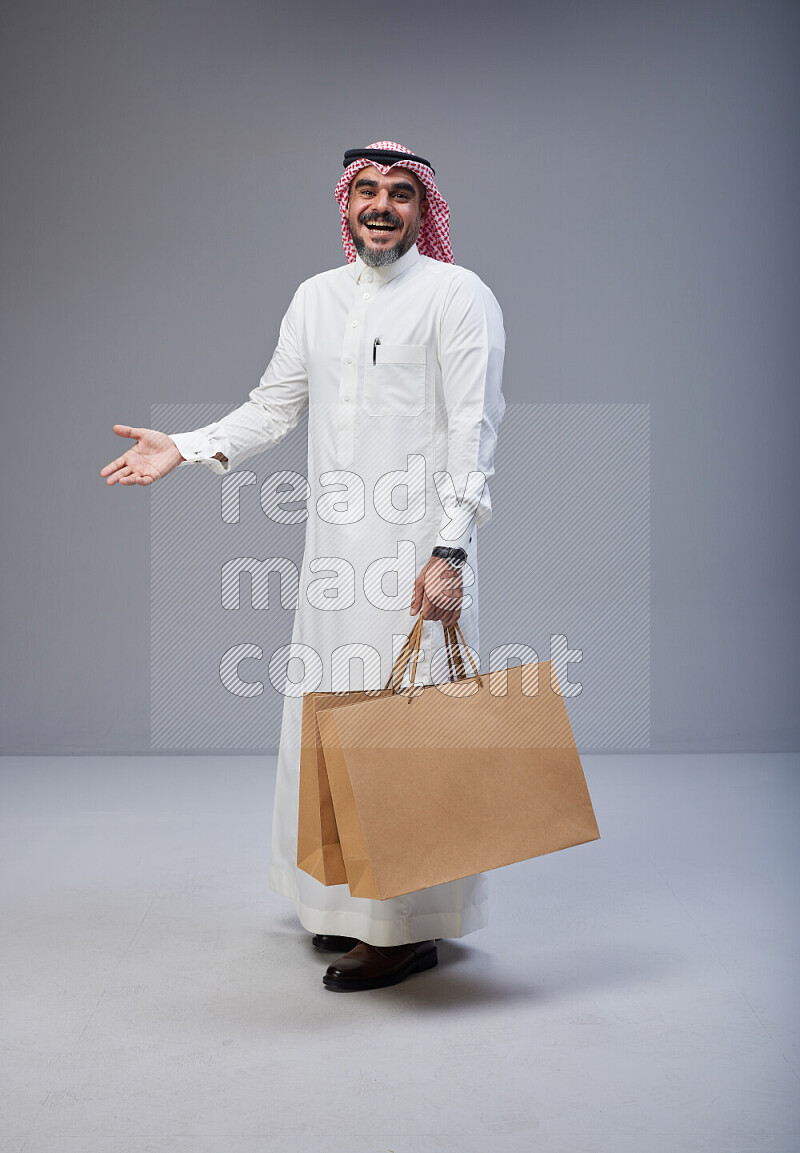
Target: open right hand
153,456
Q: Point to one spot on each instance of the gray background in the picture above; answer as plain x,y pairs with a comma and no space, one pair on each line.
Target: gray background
623,175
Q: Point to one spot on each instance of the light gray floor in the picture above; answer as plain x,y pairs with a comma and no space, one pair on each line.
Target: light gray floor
634,995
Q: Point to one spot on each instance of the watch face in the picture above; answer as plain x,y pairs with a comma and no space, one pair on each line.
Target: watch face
457,558
454,555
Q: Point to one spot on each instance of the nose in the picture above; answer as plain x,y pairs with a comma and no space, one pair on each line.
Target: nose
381,201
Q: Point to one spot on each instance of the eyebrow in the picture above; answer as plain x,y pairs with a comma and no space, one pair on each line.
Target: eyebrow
398,186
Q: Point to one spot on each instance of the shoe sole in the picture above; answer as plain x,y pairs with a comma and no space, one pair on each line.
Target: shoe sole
427,962
333,948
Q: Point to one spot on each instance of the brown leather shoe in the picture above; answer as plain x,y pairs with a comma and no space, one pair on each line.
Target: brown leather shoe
334,944
376,966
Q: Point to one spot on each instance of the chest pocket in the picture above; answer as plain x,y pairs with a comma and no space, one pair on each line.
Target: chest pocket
395,384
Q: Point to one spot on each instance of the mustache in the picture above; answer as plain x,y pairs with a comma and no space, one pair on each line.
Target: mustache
380,218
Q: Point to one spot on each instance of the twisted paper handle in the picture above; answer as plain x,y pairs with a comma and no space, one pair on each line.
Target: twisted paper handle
452,636
411,647
453,639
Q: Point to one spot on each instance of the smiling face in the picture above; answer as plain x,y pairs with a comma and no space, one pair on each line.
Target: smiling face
385,213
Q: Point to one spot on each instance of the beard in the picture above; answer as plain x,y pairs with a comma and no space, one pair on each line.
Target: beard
384,256
377,259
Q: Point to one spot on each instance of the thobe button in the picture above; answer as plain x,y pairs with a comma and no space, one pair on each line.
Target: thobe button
349,360
355,324
366,295
346,398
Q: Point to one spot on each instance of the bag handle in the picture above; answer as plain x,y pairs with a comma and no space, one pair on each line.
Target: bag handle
453,635
411,647
451,667
453,638
455,665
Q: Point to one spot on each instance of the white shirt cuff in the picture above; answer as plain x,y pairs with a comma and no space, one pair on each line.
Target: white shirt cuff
196,448
454,542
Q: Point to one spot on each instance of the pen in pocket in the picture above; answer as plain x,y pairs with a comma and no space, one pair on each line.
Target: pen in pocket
375,344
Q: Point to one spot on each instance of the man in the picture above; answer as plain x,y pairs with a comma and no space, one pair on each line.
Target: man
398,355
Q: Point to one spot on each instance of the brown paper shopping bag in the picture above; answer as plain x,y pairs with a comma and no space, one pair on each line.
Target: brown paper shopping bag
319,852
443,781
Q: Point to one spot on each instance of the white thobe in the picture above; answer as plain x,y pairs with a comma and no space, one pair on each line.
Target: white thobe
401,368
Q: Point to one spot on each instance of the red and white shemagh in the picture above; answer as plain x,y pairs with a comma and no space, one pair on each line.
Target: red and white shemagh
434,233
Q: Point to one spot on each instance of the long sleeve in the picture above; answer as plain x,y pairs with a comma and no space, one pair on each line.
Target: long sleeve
273,410
472,349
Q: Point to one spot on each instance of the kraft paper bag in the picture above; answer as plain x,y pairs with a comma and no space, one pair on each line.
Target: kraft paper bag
319,852
444,781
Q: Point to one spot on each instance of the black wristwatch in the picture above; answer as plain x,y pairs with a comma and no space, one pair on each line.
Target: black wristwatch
456,557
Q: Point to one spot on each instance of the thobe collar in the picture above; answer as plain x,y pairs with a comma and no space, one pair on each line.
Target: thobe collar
388,271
